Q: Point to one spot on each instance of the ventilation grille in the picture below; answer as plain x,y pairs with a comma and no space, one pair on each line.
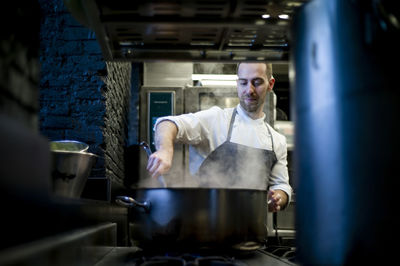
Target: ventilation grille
193,30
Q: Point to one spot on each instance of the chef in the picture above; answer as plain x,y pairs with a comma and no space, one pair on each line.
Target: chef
231,147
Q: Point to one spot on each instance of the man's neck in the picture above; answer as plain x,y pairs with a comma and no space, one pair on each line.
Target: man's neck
254,115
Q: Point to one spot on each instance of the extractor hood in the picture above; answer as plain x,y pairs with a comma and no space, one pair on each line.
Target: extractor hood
202,30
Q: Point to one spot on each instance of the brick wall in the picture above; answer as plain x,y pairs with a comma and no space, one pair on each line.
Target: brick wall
82,97
72,105
115,132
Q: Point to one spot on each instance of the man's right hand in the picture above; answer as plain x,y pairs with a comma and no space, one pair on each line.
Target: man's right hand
159,163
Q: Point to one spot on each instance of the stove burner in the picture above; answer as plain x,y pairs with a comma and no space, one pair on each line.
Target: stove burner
187,260
162,260
285,252
217,260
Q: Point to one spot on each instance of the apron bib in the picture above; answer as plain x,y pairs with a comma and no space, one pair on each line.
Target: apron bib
238,166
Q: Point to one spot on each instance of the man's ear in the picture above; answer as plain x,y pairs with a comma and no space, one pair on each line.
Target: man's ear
271,83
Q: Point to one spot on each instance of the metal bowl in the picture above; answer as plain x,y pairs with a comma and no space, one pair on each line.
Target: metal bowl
68,145
70,171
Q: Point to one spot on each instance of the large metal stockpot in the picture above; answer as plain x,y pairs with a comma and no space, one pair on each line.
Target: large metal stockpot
70,171
197,217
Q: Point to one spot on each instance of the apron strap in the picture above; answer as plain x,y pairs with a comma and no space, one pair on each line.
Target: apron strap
272,139
231,125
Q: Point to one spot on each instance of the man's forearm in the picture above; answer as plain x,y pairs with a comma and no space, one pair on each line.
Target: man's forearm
165,135
160,161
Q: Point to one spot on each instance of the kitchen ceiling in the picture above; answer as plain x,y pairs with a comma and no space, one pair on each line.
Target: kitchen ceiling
202,30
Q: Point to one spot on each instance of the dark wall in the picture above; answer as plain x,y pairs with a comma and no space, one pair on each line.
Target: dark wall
82,97
19,64
72,105
43,51
136,81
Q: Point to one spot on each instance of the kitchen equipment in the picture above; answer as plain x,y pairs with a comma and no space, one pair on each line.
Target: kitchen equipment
68,145
148,152
120,256
156,102
70,171
200,98
197,217
232,30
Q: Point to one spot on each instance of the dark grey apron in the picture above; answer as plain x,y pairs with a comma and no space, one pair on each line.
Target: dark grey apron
237,164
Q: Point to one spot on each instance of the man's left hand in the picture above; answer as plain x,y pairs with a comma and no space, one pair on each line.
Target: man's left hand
277,199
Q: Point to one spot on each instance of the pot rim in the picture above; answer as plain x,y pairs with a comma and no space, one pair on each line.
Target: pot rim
80,146
74,152
200,189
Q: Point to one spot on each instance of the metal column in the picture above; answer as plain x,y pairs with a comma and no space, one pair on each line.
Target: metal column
346,102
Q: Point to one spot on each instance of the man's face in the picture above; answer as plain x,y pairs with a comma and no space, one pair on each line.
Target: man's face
253,85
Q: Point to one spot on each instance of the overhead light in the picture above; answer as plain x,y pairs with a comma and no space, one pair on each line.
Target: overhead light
215,79
125,43
218,82
283,16
259,22
265,16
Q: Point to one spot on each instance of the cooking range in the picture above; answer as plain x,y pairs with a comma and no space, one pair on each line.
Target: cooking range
220,227
272,255
97,245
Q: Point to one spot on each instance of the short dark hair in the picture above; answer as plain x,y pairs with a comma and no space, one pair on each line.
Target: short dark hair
268,69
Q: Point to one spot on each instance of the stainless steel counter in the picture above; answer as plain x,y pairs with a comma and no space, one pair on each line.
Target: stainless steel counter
83,246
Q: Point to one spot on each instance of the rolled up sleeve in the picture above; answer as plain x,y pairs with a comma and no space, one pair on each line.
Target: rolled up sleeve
279,178
193,128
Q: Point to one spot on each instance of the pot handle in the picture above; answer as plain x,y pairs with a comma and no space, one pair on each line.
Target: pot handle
129,202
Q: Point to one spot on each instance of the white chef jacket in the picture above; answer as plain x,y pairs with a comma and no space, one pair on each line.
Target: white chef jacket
205,130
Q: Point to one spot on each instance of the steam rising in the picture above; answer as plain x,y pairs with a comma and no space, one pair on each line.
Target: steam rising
245,172
214,68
